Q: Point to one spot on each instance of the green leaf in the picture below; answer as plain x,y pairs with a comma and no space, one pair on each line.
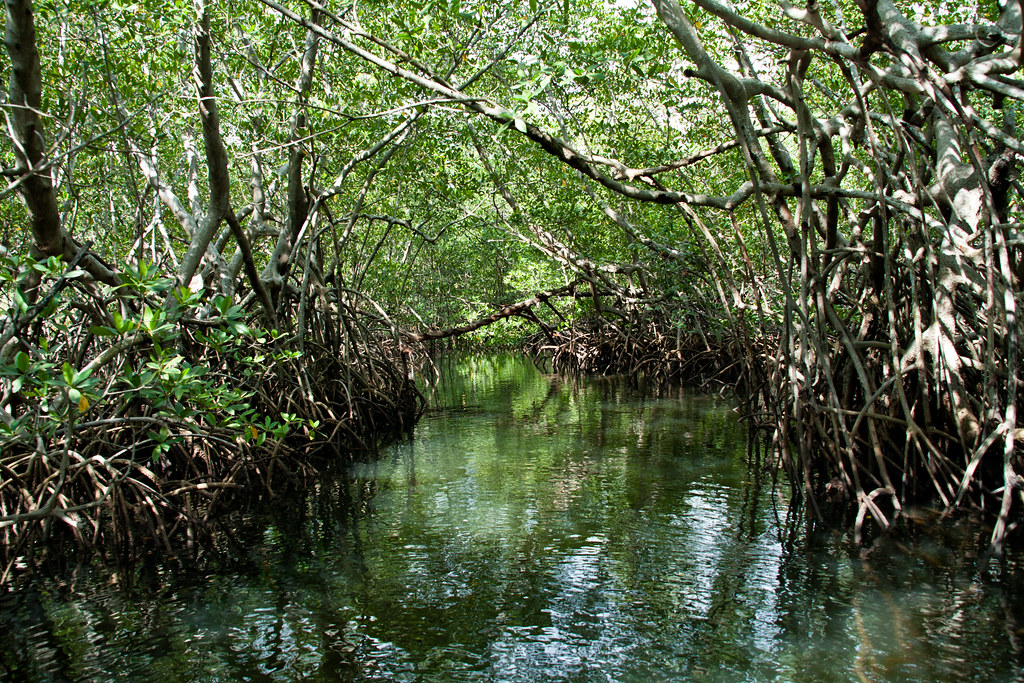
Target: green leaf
19,301
541,87
21,361
69,374
222,304
102,331
122,325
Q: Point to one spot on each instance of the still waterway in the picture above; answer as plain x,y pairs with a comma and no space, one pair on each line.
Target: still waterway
537,529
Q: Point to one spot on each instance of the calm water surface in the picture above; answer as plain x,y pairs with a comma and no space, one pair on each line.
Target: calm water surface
537,530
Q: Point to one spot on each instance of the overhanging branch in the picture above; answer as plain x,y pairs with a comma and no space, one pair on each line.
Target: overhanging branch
508,311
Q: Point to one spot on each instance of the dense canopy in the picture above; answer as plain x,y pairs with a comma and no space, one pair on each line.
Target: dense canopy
230,228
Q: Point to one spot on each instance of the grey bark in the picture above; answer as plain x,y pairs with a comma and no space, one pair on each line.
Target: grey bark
36,188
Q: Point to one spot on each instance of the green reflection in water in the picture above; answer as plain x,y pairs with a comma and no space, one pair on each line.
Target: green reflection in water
535,529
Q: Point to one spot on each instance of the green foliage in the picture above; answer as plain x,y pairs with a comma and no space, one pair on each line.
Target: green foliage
151,373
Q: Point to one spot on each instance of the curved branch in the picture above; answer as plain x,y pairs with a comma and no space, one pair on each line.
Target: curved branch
505,312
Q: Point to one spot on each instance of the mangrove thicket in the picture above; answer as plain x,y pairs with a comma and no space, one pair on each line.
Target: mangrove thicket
232,232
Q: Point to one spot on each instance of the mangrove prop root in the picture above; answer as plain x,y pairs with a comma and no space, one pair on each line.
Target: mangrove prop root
104,484
862,439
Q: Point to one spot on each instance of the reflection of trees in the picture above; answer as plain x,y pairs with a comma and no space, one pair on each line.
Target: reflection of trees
513,535
600,443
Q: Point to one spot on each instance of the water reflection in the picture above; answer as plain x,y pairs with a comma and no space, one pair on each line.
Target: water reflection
536,529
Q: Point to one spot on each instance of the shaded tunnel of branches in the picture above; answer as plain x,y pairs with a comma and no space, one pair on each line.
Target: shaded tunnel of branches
841,245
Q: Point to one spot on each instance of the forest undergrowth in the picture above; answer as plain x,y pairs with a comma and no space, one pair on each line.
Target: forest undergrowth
181,410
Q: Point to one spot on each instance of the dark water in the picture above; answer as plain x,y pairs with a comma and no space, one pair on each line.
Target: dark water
536,530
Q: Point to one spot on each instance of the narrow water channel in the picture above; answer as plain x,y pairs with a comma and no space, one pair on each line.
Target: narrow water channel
535,529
